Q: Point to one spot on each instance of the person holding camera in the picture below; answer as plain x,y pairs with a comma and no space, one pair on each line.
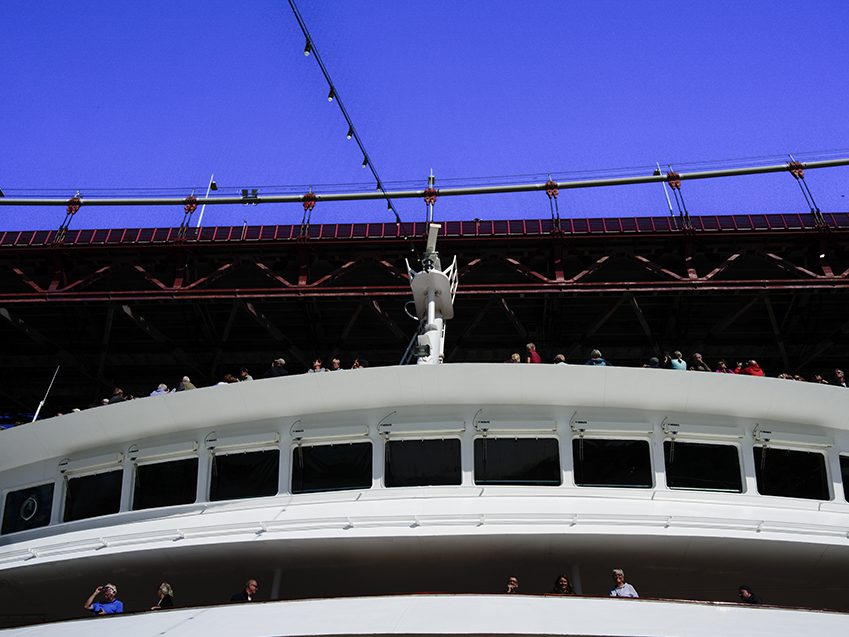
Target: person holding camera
111,604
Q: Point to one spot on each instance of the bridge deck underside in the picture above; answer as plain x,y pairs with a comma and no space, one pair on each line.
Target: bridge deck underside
135,314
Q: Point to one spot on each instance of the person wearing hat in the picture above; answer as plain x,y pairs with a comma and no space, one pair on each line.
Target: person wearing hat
111,604
277,369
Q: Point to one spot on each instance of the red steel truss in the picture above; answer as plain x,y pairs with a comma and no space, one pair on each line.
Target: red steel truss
136,307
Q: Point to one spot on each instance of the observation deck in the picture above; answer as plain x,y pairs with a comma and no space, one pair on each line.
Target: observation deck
442,478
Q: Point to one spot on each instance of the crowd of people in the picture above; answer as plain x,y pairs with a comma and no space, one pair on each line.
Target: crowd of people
276,370
676,361
111,605
620,587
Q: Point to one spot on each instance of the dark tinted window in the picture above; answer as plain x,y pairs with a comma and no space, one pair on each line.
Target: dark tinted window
245,475
844,470
791,474
701,466
611,463
331,467
165,484
28,508
416,463
517,461
91,496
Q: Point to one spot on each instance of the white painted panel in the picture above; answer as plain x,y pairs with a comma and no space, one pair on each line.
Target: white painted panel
423,428
791,439
162,452
301,431
247,441
515,426
684,429
95,463
598,426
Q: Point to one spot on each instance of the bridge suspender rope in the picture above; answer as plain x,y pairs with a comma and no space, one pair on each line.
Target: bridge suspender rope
797,169
418,194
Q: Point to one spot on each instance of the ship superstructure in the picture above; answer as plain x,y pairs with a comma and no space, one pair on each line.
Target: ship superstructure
345,490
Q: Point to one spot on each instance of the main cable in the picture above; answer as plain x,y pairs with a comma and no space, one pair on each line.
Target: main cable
655,177
407,184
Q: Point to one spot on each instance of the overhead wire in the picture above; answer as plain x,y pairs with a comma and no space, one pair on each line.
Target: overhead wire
310,48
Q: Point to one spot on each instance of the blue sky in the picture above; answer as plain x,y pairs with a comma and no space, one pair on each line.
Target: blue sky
103,96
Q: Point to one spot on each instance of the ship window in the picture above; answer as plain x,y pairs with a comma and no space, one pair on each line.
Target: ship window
331,467
418,463
165,484
702,466
28,508
517,461
844,470
93,495
791,474
611,463
252,474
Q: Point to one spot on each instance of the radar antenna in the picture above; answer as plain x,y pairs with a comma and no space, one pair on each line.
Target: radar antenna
433,293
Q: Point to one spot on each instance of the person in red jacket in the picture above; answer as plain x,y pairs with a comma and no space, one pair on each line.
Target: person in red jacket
751,368
533,356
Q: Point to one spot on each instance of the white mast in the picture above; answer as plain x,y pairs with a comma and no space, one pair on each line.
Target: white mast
433,291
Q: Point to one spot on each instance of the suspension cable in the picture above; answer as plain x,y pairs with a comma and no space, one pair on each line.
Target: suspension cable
418,194
334,94
674,181
798,171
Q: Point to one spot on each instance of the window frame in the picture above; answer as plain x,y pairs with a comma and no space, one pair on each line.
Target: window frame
617,438
57,490
144,462
822,453
711,443
232,451
844,483
319,442
67,477
506,435
414,438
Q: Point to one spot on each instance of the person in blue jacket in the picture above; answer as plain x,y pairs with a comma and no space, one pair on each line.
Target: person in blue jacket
110,605
596,359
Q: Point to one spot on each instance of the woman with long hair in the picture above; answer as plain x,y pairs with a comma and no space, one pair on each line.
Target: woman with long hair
562,586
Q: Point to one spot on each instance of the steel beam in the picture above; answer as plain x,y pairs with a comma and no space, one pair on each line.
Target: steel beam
148,328
592,288
776,331
275,332
387,320
597,325
219,350
63,355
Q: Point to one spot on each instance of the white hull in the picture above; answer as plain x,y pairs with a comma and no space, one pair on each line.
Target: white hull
460,615
687,544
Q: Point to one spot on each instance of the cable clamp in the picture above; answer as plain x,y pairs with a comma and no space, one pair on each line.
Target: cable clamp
674,180
796,169
309,201
191,204
430,195
74,204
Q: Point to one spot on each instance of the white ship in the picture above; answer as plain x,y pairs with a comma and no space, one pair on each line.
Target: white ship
398,500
